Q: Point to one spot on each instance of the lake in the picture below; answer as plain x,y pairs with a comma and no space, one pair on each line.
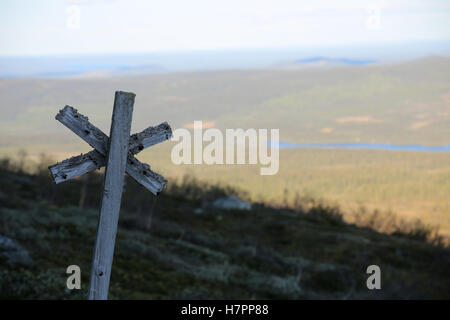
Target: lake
377,146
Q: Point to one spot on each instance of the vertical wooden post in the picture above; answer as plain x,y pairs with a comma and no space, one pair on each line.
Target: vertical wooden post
112,195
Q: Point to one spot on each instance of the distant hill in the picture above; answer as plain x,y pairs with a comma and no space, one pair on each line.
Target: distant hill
403,103
63,66
399,104
326,60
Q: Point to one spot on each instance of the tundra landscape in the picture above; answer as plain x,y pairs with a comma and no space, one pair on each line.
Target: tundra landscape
403,103
224,155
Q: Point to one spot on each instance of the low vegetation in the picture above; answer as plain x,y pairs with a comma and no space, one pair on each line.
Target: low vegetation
169,249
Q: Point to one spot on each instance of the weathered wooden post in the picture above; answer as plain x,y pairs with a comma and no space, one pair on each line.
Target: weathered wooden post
112,195
116,152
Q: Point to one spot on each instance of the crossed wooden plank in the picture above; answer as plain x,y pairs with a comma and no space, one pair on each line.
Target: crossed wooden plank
95,159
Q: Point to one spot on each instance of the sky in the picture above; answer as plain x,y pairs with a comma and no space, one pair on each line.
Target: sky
48,27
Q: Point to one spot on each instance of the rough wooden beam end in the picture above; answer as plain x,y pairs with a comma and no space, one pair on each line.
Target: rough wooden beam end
76,166
149,137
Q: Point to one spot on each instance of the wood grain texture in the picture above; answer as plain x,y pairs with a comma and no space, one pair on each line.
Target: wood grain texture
142,173
95,159
76,166
149,137
80,125
116,161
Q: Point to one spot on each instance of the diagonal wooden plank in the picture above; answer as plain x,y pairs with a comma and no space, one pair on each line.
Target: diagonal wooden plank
80,125
142,173
76,166
84,163
149,137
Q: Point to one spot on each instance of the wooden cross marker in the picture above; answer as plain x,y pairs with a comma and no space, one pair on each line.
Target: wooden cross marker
116,153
